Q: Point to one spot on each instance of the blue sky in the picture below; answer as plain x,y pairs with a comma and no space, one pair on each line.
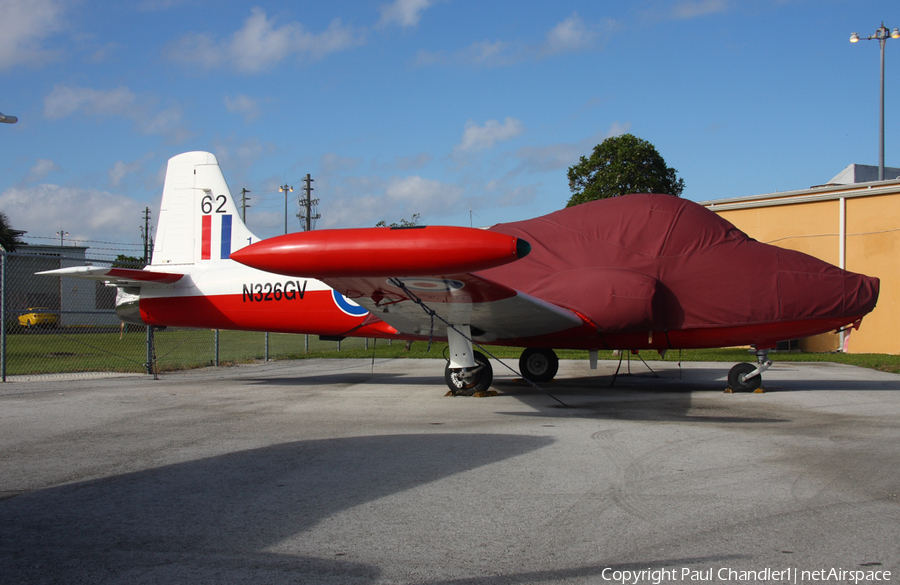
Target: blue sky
432,107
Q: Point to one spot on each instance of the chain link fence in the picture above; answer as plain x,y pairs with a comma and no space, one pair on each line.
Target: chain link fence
63,325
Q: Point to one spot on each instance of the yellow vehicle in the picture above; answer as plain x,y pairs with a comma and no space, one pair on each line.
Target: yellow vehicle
35,317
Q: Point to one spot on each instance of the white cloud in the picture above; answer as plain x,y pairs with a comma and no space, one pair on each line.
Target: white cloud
24,24
106,52
334,163
480,53
236,156
694,8
570,35
41,169
154,5
121,169
561,156
477,137
403,12
687,9
66,101
244,105
85,213
517,195
418,190
363,201
167,122
260,44
408,163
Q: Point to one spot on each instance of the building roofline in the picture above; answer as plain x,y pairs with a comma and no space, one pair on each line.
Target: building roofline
823,193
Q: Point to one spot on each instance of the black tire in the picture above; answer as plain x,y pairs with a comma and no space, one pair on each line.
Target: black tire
736,378
478,383
538,365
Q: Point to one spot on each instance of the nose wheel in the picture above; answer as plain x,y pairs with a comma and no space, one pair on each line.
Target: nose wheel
747,377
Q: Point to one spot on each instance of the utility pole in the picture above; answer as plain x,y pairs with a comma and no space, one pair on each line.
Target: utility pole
145,234
244,206
285,189
308,202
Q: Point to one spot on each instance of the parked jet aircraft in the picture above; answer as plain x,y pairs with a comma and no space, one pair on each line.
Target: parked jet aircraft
634,272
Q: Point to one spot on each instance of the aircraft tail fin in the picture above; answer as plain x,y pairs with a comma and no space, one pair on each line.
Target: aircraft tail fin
198,217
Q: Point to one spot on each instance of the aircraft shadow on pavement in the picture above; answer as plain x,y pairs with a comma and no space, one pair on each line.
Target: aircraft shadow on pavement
638,397
197,520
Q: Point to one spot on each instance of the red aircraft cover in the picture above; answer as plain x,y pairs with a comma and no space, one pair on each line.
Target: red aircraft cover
643,261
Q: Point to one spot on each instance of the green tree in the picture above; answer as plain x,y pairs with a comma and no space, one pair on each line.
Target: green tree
416,218
123,261
621,165
9,238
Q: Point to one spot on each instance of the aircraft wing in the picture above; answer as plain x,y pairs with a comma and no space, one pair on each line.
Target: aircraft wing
400,274
499,312
118,276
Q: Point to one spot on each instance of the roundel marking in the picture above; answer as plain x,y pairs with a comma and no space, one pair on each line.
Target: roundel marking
346,305
432,284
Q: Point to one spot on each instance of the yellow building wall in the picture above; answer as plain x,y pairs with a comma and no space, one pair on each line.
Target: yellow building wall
873,242
872,245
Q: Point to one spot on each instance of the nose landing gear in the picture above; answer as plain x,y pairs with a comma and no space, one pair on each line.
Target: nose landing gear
747,377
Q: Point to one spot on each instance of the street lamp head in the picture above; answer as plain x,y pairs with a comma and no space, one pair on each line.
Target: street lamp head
854,37
895,34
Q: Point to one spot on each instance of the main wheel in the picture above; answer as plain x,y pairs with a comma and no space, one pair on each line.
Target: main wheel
538,365
478,382
737,381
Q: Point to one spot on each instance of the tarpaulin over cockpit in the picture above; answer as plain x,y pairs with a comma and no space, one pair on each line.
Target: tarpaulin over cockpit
659,262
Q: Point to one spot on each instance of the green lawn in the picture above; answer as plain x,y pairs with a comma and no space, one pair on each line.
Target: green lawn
86,351
883,362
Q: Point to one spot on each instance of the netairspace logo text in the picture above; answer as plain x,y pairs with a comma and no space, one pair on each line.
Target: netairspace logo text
728,575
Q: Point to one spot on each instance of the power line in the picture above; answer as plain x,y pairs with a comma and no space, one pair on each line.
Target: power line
83,241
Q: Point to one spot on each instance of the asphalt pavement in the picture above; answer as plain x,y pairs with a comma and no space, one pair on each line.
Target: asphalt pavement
354,471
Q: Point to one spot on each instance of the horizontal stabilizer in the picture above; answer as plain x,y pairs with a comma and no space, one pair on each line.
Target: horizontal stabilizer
118,276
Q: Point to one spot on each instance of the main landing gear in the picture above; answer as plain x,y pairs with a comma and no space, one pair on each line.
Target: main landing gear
468,381
538,365
747,377
467,371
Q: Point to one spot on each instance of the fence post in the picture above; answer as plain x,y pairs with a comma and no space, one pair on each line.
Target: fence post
3,316
217,348
306,345
267,347
151,354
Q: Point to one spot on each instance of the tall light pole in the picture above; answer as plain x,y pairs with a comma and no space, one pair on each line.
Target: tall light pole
882,36
61,234
285,189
